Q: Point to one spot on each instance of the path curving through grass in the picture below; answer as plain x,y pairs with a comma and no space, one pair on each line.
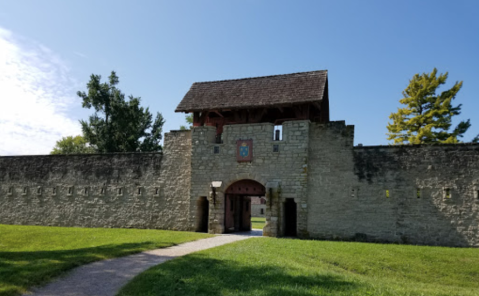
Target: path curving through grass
34,255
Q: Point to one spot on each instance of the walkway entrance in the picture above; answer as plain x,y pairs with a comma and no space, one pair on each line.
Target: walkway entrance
290,217
238,204
202,211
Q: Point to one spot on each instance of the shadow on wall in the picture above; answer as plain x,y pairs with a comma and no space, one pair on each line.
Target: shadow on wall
430,190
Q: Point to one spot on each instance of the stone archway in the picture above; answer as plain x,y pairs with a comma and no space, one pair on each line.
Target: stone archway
237,205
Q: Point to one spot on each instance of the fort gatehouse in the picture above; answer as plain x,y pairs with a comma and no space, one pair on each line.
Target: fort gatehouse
268,137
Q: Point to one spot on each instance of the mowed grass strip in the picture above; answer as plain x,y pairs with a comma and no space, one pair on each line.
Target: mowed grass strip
267,266
33,255
257,222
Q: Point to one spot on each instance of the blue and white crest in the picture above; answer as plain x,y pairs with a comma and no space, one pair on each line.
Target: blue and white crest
244,150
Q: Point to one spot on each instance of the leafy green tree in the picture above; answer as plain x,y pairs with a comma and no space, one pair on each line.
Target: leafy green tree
72,145
118,125
426,117
189,122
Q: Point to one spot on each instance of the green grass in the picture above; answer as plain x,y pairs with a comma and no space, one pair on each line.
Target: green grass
267,266
33,255
257,222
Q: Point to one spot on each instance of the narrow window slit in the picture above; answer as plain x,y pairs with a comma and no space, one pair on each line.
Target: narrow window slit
418,193
157,191
447,192
70,190
139,191
387,193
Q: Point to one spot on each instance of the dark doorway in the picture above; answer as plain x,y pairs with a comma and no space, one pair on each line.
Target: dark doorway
290,217
202,207
238,204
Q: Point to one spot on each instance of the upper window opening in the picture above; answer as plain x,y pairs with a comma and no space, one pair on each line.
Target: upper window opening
278,133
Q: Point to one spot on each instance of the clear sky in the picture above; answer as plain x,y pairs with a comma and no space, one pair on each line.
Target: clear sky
48,50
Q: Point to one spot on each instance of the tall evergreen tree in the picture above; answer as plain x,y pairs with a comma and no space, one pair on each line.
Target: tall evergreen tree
118,125
427,116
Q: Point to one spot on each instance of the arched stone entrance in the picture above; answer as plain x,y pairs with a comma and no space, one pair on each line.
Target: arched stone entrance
238,204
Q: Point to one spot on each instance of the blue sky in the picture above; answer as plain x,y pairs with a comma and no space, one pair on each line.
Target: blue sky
48,49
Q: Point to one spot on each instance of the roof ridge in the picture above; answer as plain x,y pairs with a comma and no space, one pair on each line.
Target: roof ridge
259,77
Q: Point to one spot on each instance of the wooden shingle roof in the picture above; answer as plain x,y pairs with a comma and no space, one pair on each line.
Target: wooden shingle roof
266,91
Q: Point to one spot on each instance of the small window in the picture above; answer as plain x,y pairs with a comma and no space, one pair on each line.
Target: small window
54,191
387,193
157,191
275,148
39,191
120,191
278,133
25,190
447,193
418,193
85,191
138,192
262,211
102,191
216,150
10,191
70,190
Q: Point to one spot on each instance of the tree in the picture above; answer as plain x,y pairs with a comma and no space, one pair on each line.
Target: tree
189,122
118,125
427,117
72,145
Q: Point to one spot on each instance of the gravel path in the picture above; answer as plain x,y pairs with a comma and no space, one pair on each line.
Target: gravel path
105,278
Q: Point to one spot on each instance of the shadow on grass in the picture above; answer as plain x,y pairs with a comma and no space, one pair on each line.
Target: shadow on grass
198,275
20,271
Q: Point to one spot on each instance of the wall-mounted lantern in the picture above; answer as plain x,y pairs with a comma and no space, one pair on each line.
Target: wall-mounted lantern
214,185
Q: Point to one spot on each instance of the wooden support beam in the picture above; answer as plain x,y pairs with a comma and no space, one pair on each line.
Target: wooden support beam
217,112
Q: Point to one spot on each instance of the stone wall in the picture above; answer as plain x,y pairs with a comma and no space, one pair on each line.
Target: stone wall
410,194
283,173
258,209
140,190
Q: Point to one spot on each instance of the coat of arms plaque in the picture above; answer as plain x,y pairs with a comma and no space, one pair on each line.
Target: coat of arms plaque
244,150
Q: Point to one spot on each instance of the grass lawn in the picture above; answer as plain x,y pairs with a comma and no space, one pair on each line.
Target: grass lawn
33,255
268,266
257,222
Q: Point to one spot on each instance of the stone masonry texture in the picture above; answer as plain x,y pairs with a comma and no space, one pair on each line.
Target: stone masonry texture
427,195
134,190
